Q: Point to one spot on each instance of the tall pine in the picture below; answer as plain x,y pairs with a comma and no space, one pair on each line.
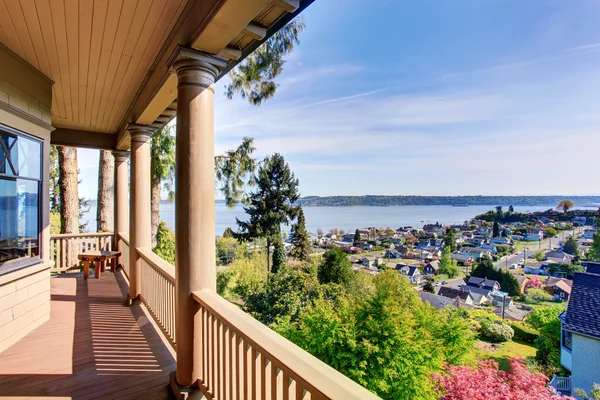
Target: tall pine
270,205
300,239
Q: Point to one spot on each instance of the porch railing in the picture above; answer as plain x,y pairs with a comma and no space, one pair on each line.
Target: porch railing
561,384
158,290
64,248
242,358
123,245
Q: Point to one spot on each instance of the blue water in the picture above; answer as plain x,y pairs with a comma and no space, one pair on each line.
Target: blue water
347,218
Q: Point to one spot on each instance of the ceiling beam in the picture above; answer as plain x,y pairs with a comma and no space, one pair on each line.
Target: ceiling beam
255,31
231,53
287,5
83,139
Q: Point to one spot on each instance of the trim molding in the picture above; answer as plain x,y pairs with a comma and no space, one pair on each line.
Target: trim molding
28,117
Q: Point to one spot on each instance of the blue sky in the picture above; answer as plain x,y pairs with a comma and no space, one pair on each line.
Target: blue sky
431,98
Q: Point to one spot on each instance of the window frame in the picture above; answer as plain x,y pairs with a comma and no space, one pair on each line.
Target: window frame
9,266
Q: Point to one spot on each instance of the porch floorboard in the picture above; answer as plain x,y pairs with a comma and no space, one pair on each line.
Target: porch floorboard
93,347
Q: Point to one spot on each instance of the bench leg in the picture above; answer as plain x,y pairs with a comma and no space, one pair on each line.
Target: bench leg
98,265
113,265
86,269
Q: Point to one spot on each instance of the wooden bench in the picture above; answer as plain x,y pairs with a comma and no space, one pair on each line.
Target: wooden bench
99,258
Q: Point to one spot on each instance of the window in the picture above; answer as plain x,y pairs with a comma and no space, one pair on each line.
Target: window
567,338
20,188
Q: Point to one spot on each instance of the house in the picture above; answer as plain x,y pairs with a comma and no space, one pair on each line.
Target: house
431,268
522,279
463,259
501,240
484,231
589,234
478,296
559,257
453,293
393,254
438,301
534,235
513,312
489,246
579,221
477,241
476,252
487,284
348,238
371,262
560,288
411,272
580,339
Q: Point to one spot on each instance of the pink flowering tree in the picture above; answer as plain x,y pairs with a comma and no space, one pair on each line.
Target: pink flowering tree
487,382
535,282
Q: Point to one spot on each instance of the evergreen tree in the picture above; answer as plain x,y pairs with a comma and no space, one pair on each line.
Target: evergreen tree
448,266
496,229
271,203
450,240
336,268
300,240
508,283
356,237
511,209
571,247
228,233
279,257
594,253
504,233
162,173
428,287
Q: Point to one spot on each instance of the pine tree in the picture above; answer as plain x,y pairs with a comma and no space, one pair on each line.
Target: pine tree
271,204
356,237
496,229
279,257
300,240
336,268
571,247
450,240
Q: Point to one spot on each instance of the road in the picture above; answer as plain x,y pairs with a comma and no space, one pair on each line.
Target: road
546,244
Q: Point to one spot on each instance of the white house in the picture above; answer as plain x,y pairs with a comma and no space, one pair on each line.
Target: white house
534,235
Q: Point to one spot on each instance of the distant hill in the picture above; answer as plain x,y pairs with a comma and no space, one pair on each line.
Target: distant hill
383,201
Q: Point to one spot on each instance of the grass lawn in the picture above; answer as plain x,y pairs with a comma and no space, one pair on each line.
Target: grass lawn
502,352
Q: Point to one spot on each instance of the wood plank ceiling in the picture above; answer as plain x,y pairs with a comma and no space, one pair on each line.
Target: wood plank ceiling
97,52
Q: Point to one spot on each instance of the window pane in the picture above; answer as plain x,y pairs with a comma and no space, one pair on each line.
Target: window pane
28,157
8,147
19,219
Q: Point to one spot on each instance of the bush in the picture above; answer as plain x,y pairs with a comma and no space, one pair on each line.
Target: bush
496,332
535,296
524,332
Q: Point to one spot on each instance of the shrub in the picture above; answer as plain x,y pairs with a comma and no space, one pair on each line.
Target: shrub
524,332
496,332
535,296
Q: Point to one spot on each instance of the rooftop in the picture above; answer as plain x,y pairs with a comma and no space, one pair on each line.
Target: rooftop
583,312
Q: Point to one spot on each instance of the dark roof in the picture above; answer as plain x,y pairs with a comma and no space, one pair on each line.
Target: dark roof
583,312
436,301
593,268
521,279
451,293
412,270
482,282
434,264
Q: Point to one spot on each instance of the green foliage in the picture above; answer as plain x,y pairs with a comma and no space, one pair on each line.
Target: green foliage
225,283
336,268
448,266
565,205
502,249
524,332
428,287
388,340
450,240
496,332
254,78
536,296
271,204
594,253
249,271
165,244
539,255
279,257
54,176
356,237
235,171
594,393
496,228
541,316
548,346
228,233
571,246
550,232
55,222
508,283
226,249
162,157
300,240
567,269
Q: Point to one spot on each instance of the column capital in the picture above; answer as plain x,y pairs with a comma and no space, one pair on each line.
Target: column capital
195,68
140,133
120,156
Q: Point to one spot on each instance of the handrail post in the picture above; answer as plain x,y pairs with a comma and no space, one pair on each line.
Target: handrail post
194,205
139,216
121,198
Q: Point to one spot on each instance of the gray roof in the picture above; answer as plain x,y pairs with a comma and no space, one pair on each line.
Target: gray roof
593,268
436,301
583,312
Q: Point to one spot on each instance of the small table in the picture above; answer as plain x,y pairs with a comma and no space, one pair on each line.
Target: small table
99,259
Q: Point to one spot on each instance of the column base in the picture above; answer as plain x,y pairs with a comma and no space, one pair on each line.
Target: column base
184,392
132,301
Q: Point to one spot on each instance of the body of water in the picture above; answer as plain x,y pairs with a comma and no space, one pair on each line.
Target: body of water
347,218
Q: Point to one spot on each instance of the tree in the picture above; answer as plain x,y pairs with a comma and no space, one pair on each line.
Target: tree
356,237
165,243
228,233
68,189
571,247
226,248
336,268
320,232
508,283
511,209
565,205
594,393
428,287
504,233
496,229
487,382
235,172
300,240
271,204
450,240
279,257
594,253
54,180
254,78
162,167
105,199
448,266
499,211
535,282
539,255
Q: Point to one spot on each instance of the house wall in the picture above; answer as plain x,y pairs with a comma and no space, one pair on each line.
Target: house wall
25,101
24,302
584,362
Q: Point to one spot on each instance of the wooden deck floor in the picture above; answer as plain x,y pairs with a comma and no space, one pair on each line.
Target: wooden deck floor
93,347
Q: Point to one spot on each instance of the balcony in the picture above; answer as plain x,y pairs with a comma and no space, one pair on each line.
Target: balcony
562,384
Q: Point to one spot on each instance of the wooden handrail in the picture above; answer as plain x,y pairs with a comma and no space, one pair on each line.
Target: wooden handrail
313,375
124,236
78,235
162,266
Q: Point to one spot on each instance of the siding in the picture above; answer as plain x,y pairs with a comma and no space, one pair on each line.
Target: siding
24,304
585,362
16,98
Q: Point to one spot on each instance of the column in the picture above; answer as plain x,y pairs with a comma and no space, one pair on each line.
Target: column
121,193
194,201
140,228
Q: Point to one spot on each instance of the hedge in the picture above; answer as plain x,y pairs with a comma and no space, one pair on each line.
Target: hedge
524,332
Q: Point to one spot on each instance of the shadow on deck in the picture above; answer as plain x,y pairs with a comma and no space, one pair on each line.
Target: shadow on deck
93,347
